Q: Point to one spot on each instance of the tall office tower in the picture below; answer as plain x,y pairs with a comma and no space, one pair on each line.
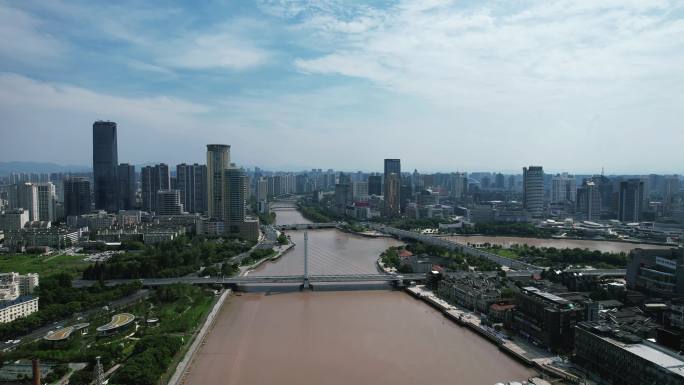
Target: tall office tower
392,187
589,200
511,183
375,185
563,188
169,202
261,189
127,186
533,190
191,181
46,201
392,166
235,195
25,195
218,160
76,196
631,200
105,161
153,179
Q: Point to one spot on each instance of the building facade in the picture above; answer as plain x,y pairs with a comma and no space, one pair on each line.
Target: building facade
105,163
631,203
218,160
77,199
127,186
533,190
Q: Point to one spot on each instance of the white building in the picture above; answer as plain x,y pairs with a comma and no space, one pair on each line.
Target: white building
17,308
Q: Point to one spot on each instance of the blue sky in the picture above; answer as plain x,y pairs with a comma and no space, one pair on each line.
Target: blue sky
443,85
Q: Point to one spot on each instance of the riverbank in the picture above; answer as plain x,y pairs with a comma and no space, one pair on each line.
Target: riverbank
181,370
282,250
519,350
558,238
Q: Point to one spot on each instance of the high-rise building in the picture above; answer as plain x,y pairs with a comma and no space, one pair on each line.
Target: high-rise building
218,160
563,188
458,185
13,219
127,186
631,200
169,202
191,181
533,190
105,162
25,195
499,181
360,190
153,179
261,189
392,191
589,201
235,195
76,196
46,201
375,185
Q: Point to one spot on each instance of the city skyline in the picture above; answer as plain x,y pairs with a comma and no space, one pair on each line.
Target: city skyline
585,85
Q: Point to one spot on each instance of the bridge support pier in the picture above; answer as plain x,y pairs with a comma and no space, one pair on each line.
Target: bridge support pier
306,285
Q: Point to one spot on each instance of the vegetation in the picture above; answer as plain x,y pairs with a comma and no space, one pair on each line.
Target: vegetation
59,300
43,265
148,356
168,259
317,212
257,255
282,239
551,256
452,260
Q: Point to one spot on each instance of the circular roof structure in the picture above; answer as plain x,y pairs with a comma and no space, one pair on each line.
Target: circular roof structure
118,321
62,334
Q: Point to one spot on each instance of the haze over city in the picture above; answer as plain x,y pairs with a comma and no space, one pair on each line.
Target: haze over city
445,85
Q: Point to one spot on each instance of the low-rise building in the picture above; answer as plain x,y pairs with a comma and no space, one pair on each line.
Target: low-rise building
19,307
656,272
620,357
470,290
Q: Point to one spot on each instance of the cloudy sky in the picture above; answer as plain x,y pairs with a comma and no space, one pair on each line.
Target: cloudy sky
444,85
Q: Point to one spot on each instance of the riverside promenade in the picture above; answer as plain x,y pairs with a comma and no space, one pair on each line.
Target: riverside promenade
529,354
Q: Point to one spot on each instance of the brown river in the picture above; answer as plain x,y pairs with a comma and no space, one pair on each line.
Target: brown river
342,337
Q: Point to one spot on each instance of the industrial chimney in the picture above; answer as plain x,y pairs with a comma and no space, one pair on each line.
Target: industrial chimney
35,363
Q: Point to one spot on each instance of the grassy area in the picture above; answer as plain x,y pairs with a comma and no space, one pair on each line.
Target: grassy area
508,253
43,265
180,310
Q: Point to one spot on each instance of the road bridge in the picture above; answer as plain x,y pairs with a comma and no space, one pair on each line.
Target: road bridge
308,226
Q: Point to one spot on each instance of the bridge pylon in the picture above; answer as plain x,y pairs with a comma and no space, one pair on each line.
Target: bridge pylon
306,283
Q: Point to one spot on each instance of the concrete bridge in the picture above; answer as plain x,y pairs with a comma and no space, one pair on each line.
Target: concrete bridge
307,226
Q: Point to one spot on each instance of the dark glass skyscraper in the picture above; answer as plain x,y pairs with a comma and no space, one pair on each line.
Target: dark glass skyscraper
392,184
631,200
105,162
76,196
127,187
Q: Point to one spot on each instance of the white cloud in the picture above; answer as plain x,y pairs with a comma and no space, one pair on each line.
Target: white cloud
22,39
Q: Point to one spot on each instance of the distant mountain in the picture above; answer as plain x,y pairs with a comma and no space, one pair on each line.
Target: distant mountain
7,168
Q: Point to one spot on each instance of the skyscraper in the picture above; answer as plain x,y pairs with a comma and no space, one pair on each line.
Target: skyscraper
25,195
563,188
46,201
153,179
76,196
375,185
589,200
392,193
218,160
105,161
533,190
235,195
631,200
127,186
392,190
191,181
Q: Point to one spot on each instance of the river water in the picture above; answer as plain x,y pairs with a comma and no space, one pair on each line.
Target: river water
342,337
604,246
